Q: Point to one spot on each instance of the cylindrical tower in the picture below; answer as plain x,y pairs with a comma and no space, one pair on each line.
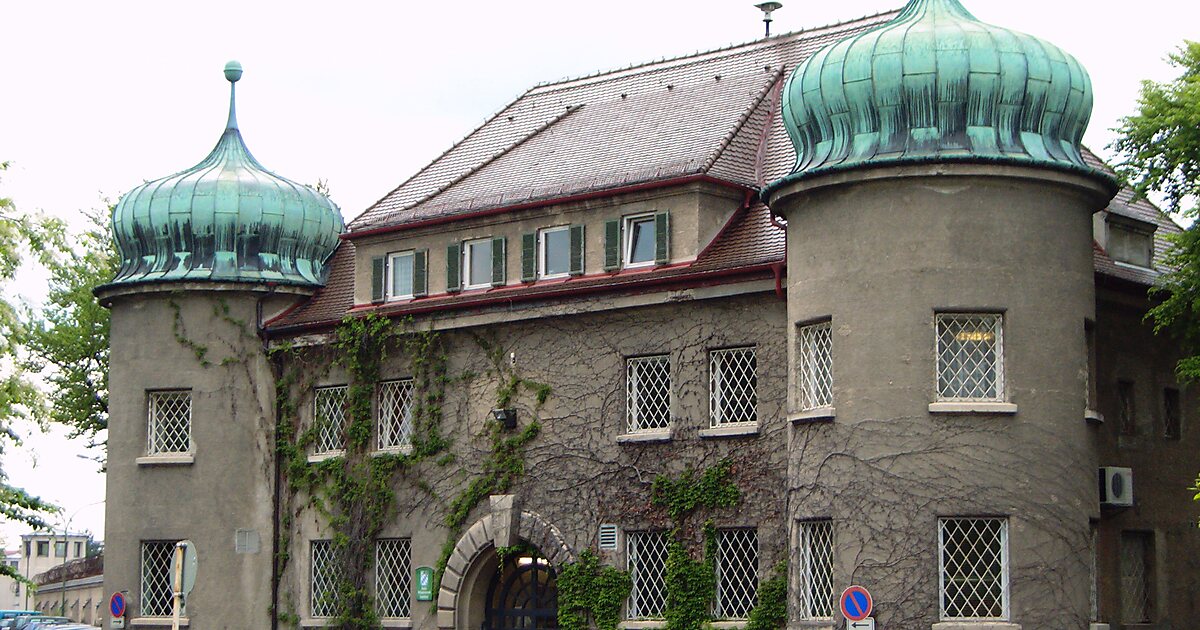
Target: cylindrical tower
206,255
939,280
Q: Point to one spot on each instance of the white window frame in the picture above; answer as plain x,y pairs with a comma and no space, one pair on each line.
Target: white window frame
814,569
467,248
814,345
391,270
634,541
154,419
722,378
633,394
998,365
723,603
1005,573
542,254
404,430
316,606
402,574
627,245
156,578
320,449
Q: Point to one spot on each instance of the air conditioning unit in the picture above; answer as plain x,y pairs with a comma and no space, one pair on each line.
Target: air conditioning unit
1116,486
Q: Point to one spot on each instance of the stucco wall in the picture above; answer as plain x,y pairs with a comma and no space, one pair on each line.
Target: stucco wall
577,473
881,257
228,485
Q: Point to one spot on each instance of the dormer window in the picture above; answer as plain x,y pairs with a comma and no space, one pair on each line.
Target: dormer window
399,275
554,252
555,259
1130,240
639,240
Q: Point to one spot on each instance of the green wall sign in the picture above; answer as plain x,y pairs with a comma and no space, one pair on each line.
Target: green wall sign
424,584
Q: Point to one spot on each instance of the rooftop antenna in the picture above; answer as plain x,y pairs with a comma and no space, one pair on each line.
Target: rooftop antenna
767,8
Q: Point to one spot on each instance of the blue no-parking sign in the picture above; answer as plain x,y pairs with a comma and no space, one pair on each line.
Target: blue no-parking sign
856,603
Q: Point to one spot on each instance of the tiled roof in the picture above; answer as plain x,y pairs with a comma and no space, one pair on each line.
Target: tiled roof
661,119
713,113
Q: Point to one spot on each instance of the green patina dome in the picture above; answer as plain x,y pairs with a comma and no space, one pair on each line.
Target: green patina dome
226,219
936,85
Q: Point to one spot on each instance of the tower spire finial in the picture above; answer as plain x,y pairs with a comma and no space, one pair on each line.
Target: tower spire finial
233,72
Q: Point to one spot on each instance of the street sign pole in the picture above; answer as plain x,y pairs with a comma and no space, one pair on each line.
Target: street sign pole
177,585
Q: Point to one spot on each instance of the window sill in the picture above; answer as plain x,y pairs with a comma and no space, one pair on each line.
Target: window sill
976,625
812,624
645,436
730,430
639,624
170,459
728,625
1097,626
820,414
149,622
967,407
1093,417
395,450
317,458
396,623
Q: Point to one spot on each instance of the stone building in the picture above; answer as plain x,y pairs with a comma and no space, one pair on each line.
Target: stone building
74,590
853,302
42,551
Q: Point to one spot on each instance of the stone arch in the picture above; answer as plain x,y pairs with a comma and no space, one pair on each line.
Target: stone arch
504,526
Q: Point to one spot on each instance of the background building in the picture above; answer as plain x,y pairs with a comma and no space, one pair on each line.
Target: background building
10,589
42,551
865,274
74,590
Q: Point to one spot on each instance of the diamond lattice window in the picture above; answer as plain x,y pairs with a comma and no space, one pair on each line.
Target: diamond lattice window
737,573
648,389
733,387
393,577
815,357
170,422
395,414
1135,577
974,568
970,357
157,593
647,556
323,581
814,563
329,416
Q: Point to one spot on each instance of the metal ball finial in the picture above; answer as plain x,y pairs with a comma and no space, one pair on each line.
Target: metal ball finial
233,71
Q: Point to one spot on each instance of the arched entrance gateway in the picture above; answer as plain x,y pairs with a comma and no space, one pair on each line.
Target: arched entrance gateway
481,590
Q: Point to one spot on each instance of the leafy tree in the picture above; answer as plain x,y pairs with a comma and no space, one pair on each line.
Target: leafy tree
67,341
19,235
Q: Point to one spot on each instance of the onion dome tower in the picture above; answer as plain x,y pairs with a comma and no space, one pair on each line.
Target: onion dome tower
226,219
937,85
939,232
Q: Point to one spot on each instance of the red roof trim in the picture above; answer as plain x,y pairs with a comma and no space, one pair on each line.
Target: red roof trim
489,298
607,192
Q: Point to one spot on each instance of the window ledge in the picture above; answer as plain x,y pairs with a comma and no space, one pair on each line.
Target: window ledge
645,436
730,430
165,622
976,625
396,623
973,407
1093,417
1098,626
166,459
317,458
640,624
396,450
820,414
811,624
728,624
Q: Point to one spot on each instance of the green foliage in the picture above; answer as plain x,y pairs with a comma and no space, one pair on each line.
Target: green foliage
67,340
587,589
684,495
20,235
691,584
1159,146
770,612
1196,487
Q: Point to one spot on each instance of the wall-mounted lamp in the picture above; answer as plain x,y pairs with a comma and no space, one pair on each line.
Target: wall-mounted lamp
506,417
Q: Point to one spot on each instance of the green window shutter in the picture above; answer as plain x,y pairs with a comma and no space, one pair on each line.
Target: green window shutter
378,277
453,267
499,271
576,250
662,238
612,245
420,281
528,257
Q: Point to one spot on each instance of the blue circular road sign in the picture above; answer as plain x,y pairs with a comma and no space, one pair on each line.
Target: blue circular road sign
116,605
856,603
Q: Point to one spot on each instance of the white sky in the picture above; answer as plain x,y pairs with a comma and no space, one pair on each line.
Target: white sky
103,95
